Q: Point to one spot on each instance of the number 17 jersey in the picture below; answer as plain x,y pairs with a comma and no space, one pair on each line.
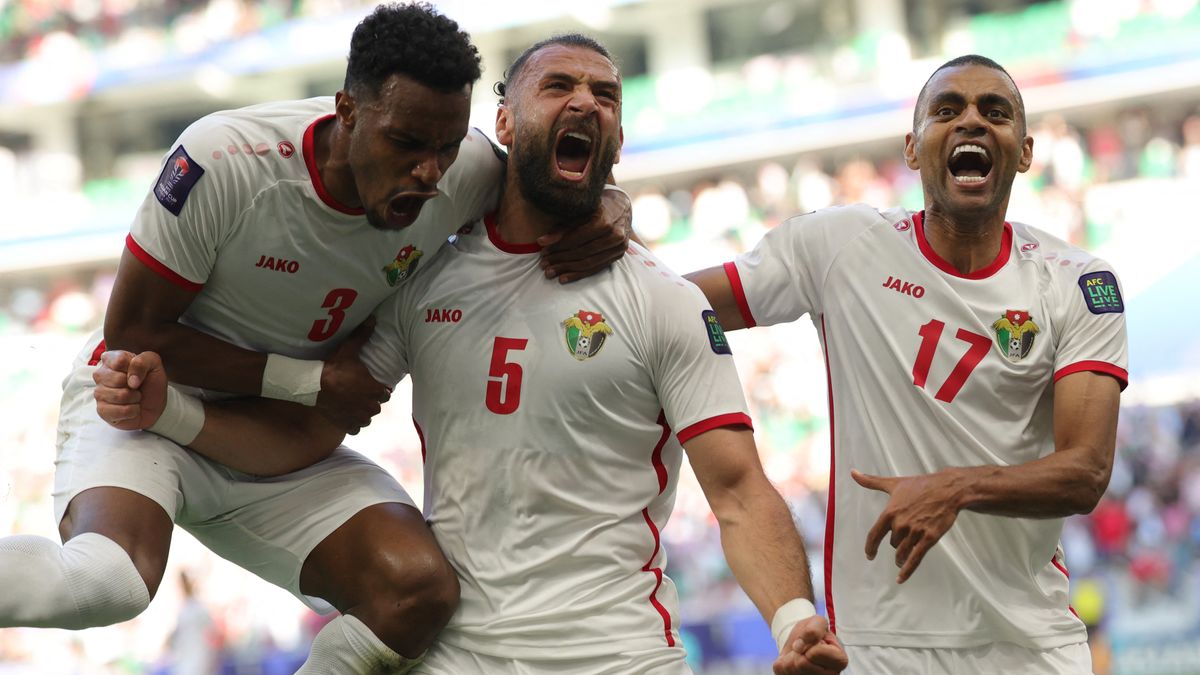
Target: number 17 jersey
928,369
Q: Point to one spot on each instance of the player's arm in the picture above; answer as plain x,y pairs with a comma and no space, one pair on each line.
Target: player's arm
254,435
763,548
715,283
1068,481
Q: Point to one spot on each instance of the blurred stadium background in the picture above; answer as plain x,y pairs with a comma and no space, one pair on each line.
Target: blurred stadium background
737,114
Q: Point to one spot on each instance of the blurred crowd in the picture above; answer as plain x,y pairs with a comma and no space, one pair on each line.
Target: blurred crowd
1131,560
27,27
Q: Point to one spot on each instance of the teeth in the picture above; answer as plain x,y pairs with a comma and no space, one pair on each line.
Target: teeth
576,134
968,179
969,148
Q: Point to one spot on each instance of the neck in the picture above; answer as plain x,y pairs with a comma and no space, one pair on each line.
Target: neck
517,220
967,244
330,150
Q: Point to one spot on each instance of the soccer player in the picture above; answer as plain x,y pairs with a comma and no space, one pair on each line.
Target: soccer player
975,369
271,233
551,417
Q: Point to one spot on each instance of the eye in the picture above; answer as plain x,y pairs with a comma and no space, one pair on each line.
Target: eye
562,86
944,111
997,113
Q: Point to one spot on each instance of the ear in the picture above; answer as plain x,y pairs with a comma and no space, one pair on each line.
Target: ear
345,109
504,125
1026,155
910,151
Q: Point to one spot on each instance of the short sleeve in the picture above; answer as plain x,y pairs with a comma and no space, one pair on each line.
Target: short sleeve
386,354
188,212
692,365
1093,336
773,282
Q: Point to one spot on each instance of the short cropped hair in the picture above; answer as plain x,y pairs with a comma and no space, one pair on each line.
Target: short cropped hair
968,60
566,39
412,40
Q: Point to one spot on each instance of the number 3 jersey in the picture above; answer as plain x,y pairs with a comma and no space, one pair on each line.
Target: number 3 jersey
548,415
240,214
929,369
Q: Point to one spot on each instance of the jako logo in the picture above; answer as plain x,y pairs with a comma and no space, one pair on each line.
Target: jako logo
904,287
277,264
443,315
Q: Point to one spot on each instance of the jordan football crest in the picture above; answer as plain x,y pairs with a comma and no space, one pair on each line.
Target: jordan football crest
404,266
1014,334
585,333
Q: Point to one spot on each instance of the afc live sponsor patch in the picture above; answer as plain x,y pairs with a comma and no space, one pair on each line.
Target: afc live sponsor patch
1101,293
716,334
177,179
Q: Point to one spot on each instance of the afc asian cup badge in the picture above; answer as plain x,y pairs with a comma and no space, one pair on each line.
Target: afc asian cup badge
404,266
585,333
1014,334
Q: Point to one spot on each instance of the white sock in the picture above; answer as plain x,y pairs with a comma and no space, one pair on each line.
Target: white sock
345,645
89,581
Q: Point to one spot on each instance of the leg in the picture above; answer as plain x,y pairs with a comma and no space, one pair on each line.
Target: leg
113,491
115,550
383,567
340,532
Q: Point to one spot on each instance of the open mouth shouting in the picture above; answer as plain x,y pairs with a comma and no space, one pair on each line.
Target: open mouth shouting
573,154
969,164
403,209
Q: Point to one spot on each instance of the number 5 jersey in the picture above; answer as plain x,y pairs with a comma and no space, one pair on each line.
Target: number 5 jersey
927,369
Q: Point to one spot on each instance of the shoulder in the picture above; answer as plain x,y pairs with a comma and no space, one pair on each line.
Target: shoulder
1058,258
256,144
843,223
661,287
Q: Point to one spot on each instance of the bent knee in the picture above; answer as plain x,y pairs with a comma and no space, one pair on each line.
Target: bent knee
422,585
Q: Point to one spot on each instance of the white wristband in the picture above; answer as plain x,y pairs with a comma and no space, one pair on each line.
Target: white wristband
610,186
786,617
182,418
289,379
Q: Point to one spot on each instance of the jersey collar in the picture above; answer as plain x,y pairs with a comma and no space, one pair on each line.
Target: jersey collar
494,235
940,263
310,160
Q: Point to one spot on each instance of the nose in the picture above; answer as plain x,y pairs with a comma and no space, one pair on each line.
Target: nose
582,101
429,170
971,119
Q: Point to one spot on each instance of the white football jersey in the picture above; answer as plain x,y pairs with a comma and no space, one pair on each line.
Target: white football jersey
240,214
548,415
929,369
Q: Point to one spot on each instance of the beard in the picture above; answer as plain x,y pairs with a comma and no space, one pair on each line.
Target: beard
571,202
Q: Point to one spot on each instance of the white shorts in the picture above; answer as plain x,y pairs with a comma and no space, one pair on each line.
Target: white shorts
265,525
444,659
996,658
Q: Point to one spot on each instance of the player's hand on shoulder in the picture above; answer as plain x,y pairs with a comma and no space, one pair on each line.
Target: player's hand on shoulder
572,253
131,389
350,396
811,650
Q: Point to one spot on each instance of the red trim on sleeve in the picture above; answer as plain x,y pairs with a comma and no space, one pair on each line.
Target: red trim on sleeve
1096,367
96,353
493,233
726,420
310,161
159,268
739,293
829,505
940,263
660,471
